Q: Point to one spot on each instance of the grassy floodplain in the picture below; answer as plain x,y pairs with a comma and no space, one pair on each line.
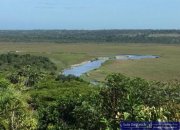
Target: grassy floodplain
165,68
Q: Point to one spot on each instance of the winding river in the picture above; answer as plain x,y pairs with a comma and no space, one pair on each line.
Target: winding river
79,69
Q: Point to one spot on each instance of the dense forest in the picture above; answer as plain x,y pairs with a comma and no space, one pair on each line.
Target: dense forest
34,97
14,62
86,36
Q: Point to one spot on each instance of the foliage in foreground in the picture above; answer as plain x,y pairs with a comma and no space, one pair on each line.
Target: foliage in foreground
14,110
65,105
32,99
123,98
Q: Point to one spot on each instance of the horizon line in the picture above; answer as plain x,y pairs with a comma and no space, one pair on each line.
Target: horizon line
83,29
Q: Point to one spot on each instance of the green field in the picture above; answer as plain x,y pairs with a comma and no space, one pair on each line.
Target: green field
164,68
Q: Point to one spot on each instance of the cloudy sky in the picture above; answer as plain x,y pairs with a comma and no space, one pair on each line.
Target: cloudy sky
89,14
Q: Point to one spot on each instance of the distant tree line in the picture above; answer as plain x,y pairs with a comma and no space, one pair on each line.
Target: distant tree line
88,36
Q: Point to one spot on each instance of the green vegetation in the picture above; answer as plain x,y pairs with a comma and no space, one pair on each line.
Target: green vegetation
33,97
86,36
63,55
12,62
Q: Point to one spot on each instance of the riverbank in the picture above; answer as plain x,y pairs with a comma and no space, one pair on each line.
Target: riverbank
87,66
64,55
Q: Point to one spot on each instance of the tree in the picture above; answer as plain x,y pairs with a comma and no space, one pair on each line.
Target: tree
113,97
14,110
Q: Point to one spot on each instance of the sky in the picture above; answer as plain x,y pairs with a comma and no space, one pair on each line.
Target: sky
89,14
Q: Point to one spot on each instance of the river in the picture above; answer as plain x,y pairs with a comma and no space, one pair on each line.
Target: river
79,69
